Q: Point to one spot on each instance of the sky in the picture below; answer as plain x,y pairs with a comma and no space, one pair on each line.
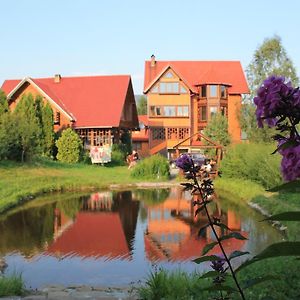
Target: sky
40,38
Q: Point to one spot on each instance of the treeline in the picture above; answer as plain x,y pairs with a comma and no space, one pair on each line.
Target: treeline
27,131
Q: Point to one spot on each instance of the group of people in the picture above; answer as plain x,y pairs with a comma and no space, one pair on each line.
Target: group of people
132,159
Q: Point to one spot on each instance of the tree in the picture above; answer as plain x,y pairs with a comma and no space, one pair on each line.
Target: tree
217,130
142,106
3,103
269,59
69,147
28,125
48,133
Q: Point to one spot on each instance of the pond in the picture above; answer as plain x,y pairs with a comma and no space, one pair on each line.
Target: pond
114,238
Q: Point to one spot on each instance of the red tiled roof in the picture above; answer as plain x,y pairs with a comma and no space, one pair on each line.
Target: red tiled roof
93,101
200,72
93,234
143,119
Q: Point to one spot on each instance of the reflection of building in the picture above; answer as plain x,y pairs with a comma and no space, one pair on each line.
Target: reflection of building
105,227
172,231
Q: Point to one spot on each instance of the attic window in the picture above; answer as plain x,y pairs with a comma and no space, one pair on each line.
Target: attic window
183,90
169,75
57,118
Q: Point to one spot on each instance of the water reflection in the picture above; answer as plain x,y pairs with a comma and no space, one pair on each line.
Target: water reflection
115,237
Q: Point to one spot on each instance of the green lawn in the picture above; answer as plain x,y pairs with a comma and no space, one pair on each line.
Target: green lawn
23,181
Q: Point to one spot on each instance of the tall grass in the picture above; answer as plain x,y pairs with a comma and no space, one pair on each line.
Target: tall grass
12,285
153,167
253,162
173,285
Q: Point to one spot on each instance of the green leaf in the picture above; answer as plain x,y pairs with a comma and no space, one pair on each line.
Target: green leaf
235,235
208,247
274,250
237,253
292,186
202,259
286,216
286,145
280,249
254,281
224,288
210,274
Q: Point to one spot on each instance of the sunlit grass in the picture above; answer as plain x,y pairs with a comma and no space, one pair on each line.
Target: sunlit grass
21,181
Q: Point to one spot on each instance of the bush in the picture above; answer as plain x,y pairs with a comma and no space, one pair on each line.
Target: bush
69,147
11,285
253,162
117,158
154,167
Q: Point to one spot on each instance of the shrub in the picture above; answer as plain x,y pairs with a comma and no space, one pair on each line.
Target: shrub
11,285
118,158
154,167
69,147
253,162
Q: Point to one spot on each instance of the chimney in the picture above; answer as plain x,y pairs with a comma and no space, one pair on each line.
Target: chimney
153,62
57,78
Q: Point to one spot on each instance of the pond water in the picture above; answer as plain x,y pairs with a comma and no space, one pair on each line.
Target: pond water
114,238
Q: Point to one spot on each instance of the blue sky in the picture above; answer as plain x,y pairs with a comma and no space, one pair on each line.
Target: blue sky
40,38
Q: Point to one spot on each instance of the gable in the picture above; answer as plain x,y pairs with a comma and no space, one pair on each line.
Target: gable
168,82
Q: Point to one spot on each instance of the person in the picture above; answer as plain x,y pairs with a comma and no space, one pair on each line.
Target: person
132,159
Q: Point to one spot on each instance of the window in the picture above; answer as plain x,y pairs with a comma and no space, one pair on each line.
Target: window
223,91
155,111
223,110
154,90
169,88
57,118
182,111
169,111
202,113
213,110
203,91
158,133
183,90
169,75
213,91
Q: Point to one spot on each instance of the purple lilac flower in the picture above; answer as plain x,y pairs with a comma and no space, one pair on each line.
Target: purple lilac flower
218,265
274,98
290,164
184,162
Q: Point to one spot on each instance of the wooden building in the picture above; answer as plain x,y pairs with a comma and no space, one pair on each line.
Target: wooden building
184,95
140,138
98,108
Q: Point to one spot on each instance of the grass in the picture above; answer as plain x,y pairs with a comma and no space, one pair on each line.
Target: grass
12,285
19,182
173,285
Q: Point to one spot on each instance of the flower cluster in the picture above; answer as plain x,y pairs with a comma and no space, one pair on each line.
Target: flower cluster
278,104
290,164
276,100
185,162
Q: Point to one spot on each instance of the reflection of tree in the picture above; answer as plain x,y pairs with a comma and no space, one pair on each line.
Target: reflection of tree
128,211
70,207
28,230
152,196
